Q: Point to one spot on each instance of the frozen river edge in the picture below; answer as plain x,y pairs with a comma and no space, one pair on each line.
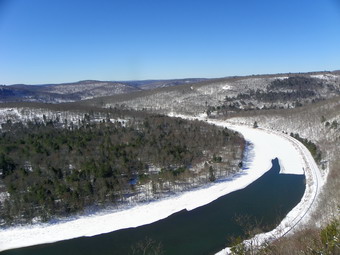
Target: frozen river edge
294,158
302,212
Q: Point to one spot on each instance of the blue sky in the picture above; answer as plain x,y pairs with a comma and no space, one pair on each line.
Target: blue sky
58,41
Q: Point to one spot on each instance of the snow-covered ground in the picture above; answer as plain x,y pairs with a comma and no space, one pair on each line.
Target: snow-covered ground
293,157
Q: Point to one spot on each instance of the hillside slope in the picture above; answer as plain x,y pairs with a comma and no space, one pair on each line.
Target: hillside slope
229,95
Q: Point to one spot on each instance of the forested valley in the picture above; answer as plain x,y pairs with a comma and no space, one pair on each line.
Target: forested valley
49,167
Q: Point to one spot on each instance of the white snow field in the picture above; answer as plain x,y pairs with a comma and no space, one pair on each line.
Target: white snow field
293,157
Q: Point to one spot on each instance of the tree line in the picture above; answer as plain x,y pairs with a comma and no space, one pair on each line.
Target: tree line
312,147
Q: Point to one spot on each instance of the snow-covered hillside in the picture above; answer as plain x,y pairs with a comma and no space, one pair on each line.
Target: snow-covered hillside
224,96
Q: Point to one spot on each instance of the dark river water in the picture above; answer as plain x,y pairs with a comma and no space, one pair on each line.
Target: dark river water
204,230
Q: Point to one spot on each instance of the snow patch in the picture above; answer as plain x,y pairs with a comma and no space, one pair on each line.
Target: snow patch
281,78
3,196
325,76
226,87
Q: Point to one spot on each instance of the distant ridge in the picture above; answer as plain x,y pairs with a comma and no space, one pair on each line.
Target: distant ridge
81,90
92,89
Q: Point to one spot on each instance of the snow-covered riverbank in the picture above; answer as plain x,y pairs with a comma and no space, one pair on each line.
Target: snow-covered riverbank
314,181
266,146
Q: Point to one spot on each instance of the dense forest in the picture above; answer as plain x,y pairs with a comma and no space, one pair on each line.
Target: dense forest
53,169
